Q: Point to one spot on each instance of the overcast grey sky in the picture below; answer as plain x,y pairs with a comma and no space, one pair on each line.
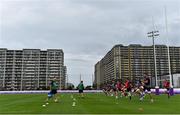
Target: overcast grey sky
85,29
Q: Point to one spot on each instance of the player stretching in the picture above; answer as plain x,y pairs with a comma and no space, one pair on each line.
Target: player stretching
113,89
147,86
118,88
106,89
166,85
128,86
53,92
140,91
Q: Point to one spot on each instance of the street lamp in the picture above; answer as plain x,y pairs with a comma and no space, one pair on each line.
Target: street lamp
152,35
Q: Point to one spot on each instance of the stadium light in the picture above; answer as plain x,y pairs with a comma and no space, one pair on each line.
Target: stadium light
152,35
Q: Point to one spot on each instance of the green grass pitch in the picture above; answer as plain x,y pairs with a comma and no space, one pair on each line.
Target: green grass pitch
93,103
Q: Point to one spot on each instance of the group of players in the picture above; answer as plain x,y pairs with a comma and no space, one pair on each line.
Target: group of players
54,87
128,89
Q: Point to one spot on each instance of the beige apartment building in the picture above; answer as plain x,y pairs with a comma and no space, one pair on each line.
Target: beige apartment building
31,69
133,61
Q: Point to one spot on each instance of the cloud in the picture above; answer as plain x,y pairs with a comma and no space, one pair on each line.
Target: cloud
85,29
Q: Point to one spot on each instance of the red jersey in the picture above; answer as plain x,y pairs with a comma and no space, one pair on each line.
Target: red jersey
127,84
118,85
166,84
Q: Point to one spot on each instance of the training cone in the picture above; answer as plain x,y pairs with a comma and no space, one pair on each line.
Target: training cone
73,104
141,109
43,105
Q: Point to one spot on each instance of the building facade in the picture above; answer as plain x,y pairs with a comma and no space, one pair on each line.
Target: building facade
133,61
31,69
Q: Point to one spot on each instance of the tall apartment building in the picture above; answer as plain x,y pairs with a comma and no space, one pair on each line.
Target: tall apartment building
31,69
133,61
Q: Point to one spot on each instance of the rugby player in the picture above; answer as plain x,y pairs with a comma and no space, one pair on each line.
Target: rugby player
81,88
166,85
53,90
147,87
128,87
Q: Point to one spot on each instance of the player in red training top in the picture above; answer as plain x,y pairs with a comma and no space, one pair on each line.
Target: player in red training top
128,86
166,84
118,88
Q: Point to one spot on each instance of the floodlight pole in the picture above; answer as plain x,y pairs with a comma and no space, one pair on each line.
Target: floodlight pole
169,58
80,77
153,34
67,80
92,79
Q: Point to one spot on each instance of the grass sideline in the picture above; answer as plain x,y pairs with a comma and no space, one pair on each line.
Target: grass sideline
93,103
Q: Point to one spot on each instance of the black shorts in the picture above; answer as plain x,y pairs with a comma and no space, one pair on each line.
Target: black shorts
148,88
114,89
119,89
128,89
53,91
168,89
80,91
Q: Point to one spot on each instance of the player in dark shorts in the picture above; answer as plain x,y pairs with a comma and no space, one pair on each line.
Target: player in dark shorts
53,90
147,86
139,89
113,88
106,89
81,88
109,89
118,85
128,86
166,84
118,88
